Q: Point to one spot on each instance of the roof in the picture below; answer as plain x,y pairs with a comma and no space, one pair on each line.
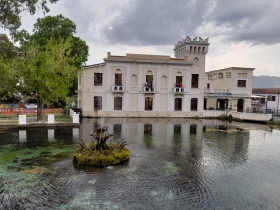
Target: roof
266,90
231,68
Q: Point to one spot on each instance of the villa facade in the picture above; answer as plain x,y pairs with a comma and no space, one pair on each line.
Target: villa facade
138,85
229,88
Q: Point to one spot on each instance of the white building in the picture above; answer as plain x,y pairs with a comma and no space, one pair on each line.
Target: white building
269,99
229,88
138,85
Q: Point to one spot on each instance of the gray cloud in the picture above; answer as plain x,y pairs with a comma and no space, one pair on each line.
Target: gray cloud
163,22
157,22
254,21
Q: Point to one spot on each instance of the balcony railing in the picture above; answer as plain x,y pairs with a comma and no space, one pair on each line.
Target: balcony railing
118,88
149,89
179,90
217,92
257,102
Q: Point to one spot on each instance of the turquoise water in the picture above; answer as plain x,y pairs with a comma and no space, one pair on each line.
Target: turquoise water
174,164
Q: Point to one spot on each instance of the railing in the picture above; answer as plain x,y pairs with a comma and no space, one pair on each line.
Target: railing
179,90
259,111
257,102
217,91
276,112
118,88
149,89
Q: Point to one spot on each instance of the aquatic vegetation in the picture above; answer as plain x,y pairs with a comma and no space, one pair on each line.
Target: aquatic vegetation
20,166
98,153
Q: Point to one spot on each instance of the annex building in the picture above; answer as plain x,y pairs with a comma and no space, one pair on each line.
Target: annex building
139,85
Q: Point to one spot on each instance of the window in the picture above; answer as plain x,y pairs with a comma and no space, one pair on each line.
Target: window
97,79
118,79
228,74
179,79
118,103
178,104
215,76
149,78
148,104
209,76
220,75
97,103
195,80
241,83
208,85
80,78
194,104
271,98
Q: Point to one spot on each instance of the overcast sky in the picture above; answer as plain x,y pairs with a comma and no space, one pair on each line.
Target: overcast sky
242,33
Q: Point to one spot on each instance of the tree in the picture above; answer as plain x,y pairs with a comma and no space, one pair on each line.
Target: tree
8,78
57,27
7,48
46,74
7,72
10,11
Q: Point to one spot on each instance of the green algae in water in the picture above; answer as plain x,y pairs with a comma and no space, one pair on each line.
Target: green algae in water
171,168
15,161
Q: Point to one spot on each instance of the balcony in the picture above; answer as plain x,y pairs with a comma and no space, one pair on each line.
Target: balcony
217,92
255,102
149,89
179,90
118,88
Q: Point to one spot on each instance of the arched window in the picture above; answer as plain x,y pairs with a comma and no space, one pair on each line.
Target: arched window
191,48
118,77
149,77
149,104
199,48
97,103
203,49
163,81
194,49
133,80
178,104
117,103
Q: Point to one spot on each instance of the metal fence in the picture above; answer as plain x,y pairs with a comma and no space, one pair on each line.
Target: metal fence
260,111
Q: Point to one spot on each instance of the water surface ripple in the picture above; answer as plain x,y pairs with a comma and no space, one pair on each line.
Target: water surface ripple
173,165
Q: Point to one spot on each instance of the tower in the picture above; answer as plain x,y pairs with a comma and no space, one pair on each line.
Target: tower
195,47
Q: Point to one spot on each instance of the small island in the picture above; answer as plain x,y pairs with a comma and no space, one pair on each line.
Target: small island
98,153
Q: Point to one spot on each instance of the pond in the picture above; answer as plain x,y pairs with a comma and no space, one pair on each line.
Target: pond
174,164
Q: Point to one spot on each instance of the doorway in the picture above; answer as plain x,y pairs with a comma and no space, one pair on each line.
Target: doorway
240,104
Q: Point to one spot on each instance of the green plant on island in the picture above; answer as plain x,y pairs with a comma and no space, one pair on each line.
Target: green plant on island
99,153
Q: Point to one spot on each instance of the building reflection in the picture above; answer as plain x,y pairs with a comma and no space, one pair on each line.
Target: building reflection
185,136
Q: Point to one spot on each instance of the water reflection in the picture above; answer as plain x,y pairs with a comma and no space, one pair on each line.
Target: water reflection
174,164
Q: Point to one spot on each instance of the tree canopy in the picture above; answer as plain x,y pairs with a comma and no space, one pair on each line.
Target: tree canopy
56,27
46,74
10,12
7,48
46,61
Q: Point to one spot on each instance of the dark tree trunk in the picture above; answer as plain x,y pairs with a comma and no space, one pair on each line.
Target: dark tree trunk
39,109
